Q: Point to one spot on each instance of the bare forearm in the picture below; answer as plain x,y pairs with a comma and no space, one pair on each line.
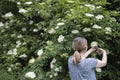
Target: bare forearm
88,52
104,58
103,62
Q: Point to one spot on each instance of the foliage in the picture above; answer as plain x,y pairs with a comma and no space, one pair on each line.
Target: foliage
36,36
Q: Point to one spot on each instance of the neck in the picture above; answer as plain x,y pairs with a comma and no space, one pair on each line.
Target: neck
82,54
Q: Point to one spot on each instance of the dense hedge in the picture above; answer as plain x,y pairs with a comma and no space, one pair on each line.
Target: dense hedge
36,37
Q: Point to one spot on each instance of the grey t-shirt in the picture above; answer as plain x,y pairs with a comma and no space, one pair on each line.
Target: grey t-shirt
83,70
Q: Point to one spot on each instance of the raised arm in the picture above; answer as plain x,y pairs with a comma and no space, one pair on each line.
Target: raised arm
103,62
89,52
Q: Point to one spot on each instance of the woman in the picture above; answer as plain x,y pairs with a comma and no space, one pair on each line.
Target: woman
80,67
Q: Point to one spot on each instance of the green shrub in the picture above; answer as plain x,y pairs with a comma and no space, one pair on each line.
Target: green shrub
38,36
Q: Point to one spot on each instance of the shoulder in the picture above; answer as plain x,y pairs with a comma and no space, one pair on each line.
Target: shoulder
70,59
91,59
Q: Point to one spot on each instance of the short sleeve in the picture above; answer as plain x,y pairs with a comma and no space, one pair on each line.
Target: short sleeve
92,62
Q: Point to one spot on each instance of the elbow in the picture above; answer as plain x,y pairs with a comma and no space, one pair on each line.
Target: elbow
104,64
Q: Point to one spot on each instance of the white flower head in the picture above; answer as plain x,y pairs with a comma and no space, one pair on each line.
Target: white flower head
81,6
60,24
98,17
49,42
24,29
98,7
92,7
98,69
22,10
18,3
18,43
56,74
57,69
108,30
60,67
112,19
75,31
8,15
42,3
86,29
31,22
24,43
93,44
23,56
32,60
12,52
9,52
51,31
56,27
9,69
31,75
28,3
96,26
52,63
54,60
40,52
51,76
15,51
60,38
1,24
35,30
19,36
89,15
70,1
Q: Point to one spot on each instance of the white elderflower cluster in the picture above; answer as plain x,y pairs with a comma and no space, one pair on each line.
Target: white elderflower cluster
60,38
18,43
98,69
19,36
89,15
93,44
28,3
75,31
1,24
35,30
9,14
70,1
86,29
18,3
112,19
9,69
22,10
108,30
96,26
60,24
23,29
91,6
99,17
51,31
32,60
31,75
12,52
40,52
52,63
23,56
58,69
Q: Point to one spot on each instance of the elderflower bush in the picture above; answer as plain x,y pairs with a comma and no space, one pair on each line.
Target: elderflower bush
36,41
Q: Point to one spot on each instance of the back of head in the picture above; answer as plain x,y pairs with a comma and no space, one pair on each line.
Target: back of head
79,45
